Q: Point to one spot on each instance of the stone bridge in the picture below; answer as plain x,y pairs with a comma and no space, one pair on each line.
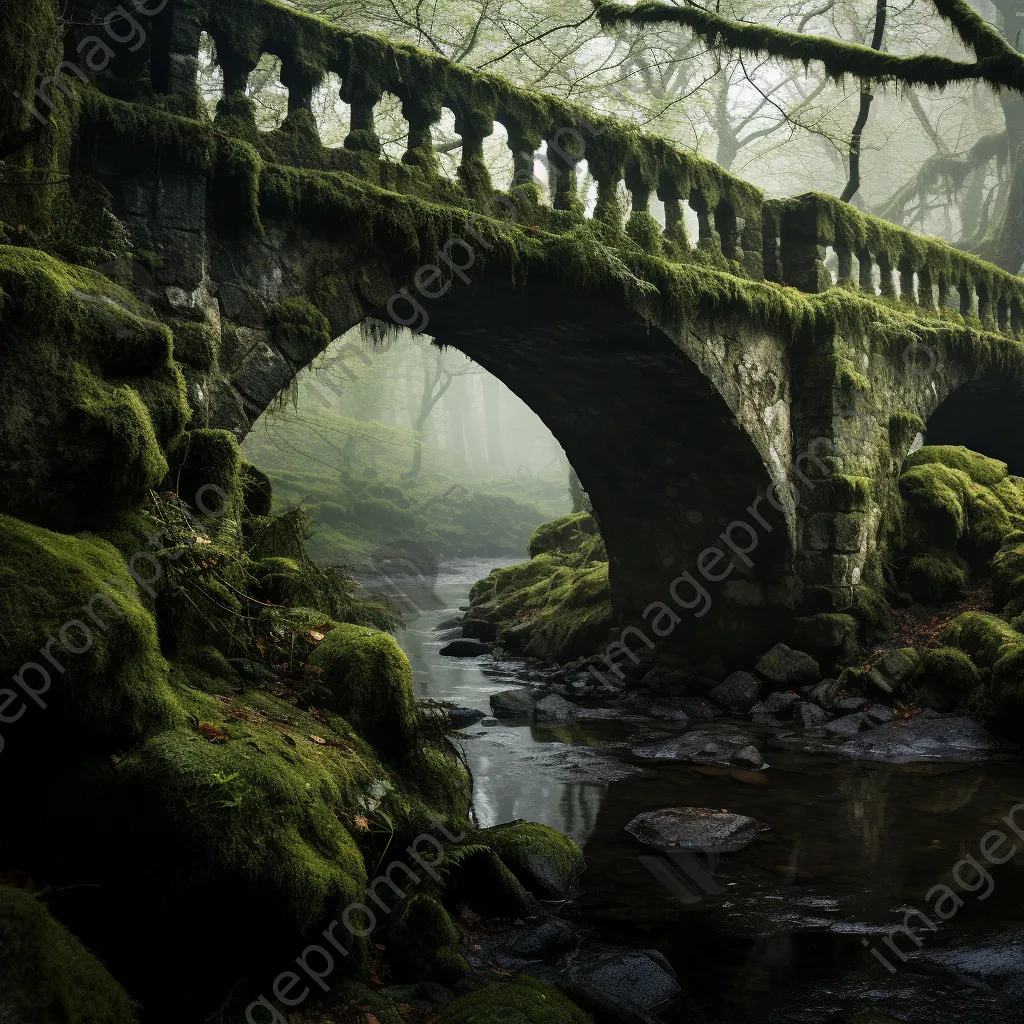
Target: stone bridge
763,379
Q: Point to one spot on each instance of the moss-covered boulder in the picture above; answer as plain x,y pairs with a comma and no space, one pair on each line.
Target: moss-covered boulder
934,578
46,975
544,860
421,941
946,679
992,643
92,396
365,677
524,1000
76,639
557,606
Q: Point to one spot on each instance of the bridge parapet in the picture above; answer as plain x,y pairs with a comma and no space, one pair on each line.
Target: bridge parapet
891,263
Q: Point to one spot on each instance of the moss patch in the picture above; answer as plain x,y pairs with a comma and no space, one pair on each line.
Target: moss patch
46,975
525,1000
544,860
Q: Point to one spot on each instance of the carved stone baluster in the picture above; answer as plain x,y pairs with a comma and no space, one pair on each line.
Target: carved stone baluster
1016,314
845,257
565,148
907,280
361,98
420,149
753,246
925,289
985,306
728,231
865,278
707,237
887,288
966,290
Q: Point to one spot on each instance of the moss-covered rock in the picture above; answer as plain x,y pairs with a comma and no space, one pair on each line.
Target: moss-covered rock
576,533
365,676
947,677
417,932
543,859
46,975
93,398
74,597
523,1000
934,578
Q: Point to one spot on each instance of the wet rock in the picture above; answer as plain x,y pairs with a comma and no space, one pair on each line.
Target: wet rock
531,942
702,746
893,669
603,1008
668,711
699,829
849,725
776,708
694,707
516,703
748,757
813,741
737,692
633,976
996,963
785,667
465,648
489,721
584,714
949,736
554,708
448,634
879,714
451,623
461,718
851,702
825,693
561,762
809,715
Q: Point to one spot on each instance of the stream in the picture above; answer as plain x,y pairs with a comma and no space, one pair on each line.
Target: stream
783,930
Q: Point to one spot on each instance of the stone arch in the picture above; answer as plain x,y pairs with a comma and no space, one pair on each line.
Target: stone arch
675,430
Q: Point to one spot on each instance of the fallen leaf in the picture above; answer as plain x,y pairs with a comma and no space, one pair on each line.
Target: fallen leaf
213,733
314,636
363,824
319,740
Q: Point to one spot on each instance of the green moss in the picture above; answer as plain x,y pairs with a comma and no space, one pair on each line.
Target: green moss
299,329
93,398
980,468
416,933
46,975
257,492
934,578
523,1000
544,860
947,677
52,585
260,794
196,345
985,637
205,470
366,678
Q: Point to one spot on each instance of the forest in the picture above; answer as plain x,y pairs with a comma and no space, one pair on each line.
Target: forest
511,511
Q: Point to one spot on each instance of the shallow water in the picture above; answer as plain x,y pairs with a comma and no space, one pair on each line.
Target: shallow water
849,847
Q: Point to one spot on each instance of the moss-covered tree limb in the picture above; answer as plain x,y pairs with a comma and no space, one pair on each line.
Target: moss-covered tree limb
998,64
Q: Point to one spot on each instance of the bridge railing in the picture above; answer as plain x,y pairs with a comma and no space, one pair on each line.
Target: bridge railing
880,259
782,241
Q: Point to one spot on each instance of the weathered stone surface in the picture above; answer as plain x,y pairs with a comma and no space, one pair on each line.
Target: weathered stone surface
699,829
776,707
704,746
463,717
946,736
786,667
879,714
737,692
465,648
809,715
630,975
849,725
517,703
554,709
696,708
262,375
181,202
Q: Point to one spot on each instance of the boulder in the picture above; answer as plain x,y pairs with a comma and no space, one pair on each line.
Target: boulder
633,976
926,737
705,746
517,703
809,715
697,829
465,648
694,707
825,693
785,667
849,725
460,718
554,709
879,714
776,708
737,692
542,859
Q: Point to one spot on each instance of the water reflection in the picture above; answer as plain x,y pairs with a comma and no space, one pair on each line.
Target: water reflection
519,771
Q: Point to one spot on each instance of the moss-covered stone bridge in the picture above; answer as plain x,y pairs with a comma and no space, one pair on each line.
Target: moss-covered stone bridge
773,370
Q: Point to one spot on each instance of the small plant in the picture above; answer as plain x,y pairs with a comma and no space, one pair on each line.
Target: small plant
230,789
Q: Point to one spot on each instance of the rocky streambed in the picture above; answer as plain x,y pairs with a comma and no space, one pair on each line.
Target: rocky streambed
821,813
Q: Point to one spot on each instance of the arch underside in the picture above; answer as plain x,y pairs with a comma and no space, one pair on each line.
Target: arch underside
985,415
661,454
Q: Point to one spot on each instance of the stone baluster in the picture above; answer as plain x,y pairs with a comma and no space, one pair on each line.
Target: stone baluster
707,237
844,256
300,85
865,264
523,144
474,127
1003,314
420,148
753,246
966,290
609,208
887,287
925,288
566,148
985,306
802,247
944,289
1016,314
361,98
236,68
728,230
906,267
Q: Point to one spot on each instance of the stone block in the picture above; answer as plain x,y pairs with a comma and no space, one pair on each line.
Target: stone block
849,532
818,532
262,375
183,258
181,202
